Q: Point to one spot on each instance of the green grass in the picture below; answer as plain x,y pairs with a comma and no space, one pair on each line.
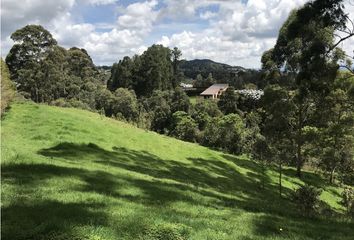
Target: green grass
73,174
195,99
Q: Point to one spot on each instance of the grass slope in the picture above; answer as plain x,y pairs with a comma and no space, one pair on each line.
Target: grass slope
73,174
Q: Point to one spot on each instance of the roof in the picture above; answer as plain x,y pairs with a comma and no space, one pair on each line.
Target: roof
214,89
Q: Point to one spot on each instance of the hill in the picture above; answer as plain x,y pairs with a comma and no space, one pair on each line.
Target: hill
205,66
73,174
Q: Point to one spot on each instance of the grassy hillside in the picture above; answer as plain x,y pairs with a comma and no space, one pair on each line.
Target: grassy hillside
72,174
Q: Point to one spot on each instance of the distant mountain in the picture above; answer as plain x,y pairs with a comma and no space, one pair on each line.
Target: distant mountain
220,71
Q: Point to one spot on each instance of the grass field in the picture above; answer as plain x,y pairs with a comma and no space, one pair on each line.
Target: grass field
73,174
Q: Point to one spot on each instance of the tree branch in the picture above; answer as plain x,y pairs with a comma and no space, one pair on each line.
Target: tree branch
340,41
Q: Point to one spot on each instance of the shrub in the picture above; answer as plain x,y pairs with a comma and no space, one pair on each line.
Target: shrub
7,87
307,198
183,126
348,199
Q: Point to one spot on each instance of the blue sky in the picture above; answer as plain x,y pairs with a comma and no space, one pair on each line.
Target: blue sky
236,32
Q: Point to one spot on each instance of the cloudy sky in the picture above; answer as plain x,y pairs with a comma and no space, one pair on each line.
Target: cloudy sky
236,32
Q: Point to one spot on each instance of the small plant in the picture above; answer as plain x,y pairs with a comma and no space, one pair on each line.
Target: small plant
348,199
307,198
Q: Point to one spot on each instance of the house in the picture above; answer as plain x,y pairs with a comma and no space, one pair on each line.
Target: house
214,91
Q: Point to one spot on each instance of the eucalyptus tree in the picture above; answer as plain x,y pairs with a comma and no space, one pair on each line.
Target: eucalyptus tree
307,52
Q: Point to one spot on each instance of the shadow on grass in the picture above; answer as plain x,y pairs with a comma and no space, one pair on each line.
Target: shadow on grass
215,179
214,184
36,219
305,229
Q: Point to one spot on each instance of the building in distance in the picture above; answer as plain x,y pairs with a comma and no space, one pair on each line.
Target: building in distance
214,91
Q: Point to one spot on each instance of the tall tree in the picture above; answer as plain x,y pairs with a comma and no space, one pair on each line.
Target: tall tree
336,142
32,44
121,74
177,74
156,70
307,49
228,101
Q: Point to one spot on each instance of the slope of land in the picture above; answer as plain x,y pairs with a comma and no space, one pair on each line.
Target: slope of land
73,174
220,71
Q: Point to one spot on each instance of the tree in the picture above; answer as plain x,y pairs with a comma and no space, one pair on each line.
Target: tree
277,129
183,126
156,71
225,133
32,44
261,152
125,104
179,101
228,101
159,107
337,132
7,87
177,74
306,49
204,111
121,75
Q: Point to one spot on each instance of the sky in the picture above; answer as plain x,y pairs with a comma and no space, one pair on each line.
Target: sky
235,32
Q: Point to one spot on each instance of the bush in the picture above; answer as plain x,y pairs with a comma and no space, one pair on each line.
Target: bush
348,199
183,126
307,198
70,103
7,87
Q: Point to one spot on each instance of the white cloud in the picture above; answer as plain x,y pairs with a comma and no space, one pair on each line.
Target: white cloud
207,15
139,16
239,35
204,45
124,37
16,14
99,2
237,32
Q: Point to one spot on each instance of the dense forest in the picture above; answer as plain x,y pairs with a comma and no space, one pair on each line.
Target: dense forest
305,117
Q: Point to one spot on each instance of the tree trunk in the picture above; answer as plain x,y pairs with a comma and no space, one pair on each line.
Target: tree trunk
280,178
331,176
299,160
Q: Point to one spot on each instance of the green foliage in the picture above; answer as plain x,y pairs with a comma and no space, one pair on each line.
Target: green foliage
307,55
225,133
7,87
348,199
125,103
204,82
228,101
121,74
156,71
70,173
183,126
32,44
204,111
307,198
45,72
179,101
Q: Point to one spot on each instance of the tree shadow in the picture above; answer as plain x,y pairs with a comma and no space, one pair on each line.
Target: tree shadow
283,227
219,180
35,220
229,183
